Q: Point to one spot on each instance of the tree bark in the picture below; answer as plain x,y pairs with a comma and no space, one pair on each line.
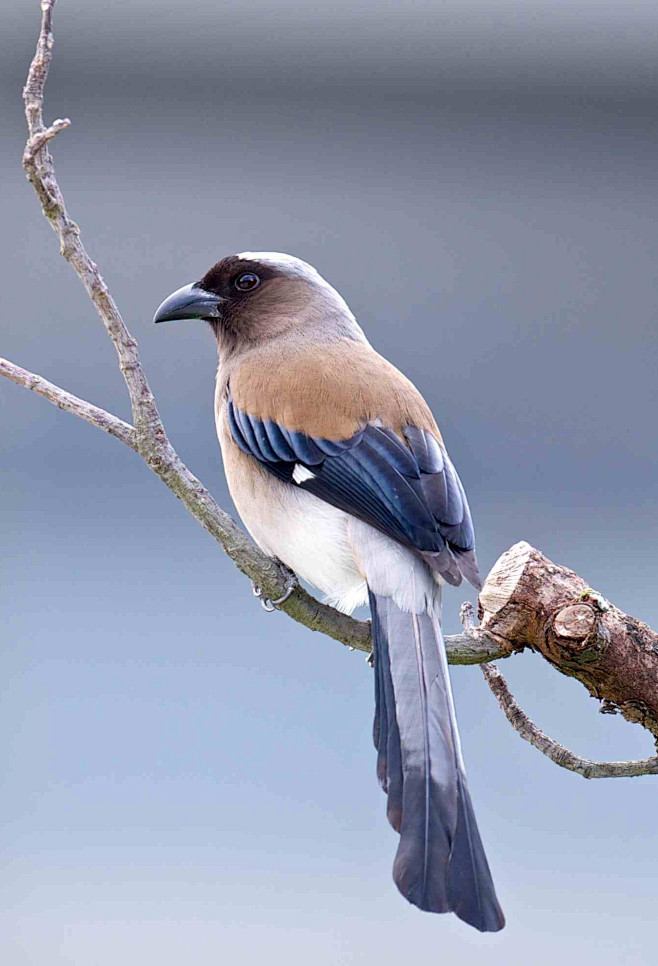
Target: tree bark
530,602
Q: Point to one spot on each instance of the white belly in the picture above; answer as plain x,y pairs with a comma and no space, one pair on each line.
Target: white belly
308,535
311,538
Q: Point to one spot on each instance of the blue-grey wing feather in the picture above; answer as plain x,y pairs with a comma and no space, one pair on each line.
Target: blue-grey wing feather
410,492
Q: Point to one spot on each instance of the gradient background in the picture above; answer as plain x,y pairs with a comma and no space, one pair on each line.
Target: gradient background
186,778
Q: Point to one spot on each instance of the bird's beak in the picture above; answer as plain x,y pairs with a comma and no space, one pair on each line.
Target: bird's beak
189,302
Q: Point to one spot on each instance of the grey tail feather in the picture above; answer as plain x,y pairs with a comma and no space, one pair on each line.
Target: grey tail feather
440,864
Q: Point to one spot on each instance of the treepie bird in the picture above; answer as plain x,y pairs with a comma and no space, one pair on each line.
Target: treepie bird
337,467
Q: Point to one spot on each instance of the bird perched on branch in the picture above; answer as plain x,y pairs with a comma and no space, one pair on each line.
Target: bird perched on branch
337,467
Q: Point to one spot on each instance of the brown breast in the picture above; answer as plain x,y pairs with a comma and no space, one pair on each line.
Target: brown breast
328,390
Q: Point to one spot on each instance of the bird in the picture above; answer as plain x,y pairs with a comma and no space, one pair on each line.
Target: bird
337,467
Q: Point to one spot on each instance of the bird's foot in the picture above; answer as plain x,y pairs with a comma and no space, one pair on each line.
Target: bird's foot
270,605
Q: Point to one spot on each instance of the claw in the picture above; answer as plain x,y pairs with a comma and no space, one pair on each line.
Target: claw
270,605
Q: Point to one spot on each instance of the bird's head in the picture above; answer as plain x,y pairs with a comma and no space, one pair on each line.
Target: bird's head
256,296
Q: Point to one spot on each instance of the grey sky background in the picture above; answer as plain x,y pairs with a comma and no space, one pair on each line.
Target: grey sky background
189,779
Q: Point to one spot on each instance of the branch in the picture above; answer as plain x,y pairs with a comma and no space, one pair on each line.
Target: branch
40,170
529,730
528,601
551,748
70,403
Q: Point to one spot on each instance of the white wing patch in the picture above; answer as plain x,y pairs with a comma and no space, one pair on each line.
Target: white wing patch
301,473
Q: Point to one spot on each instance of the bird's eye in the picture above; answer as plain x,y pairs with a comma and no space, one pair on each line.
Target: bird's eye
247,282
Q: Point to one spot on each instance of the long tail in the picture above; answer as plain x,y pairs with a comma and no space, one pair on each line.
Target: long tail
440,864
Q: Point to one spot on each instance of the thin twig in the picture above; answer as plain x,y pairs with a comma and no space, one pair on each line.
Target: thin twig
551,748
148,436
40,170
35,143
70,403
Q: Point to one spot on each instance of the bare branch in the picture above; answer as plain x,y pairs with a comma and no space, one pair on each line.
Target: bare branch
35,143
475,647
40,170
70,403
551,748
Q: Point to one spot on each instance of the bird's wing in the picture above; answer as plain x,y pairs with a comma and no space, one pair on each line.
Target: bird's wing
399,480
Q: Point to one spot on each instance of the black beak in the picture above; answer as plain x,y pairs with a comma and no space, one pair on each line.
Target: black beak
189,302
